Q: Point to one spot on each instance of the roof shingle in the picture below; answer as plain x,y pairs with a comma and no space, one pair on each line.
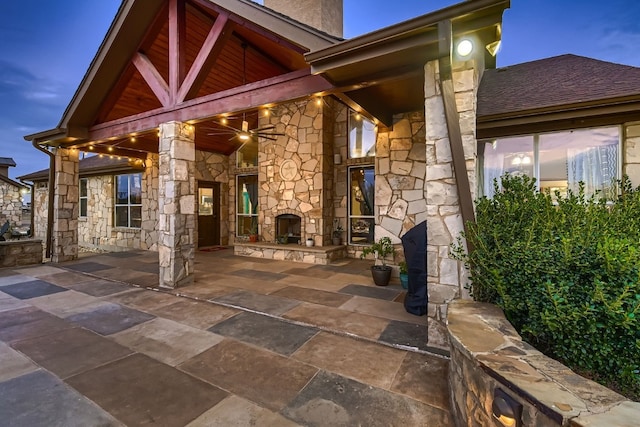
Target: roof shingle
554,82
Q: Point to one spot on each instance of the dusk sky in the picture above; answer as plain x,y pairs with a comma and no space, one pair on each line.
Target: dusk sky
47,47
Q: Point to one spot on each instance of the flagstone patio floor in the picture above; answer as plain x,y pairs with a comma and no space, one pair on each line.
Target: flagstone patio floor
93,342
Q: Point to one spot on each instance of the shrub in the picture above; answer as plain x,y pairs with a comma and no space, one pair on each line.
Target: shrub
566,272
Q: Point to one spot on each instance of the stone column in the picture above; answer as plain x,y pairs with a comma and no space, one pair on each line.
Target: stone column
176,204
65,206
446,277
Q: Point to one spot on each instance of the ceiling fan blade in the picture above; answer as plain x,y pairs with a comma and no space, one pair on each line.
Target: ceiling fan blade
269,127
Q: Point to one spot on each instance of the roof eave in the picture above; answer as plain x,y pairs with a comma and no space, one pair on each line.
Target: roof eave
584,114
334,56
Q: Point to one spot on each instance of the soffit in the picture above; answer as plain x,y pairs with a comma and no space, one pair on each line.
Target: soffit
114,88
388,61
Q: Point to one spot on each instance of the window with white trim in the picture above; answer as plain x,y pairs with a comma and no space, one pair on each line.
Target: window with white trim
362,136
128,200
247,205
558,160
83,198
361,204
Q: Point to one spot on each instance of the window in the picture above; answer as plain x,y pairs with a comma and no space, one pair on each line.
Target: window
247,205
128,200
83,197
247,155
558,161
362,136
361,204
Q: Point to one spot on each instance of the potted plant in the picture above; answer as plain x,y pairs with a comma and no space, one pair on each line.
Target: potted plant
310,242
380,250
337,233
404,274
253,234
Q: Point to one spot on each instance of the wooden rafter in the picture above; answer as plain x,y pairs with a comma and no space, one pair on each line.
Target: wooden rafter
219,33
177,42
294,85
153,78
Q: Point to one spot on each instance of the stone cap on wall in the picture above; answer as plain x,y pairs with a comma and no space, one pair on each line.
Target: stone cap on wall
481,333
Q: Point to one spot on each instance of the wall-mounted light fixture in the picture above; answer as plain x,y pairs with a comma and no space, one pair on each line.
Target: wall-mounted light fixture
464,47
506,411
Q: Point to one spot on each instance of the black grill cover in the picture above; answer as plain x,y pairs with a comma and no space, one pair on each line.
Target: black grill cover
414,243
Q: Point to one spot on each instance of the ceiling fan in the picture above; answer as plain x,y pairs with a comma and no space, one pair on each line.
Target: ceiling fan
244,134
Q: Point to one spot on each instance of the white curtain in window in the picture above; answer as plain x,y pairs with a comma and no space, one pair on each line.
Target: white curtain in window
493,169
594,166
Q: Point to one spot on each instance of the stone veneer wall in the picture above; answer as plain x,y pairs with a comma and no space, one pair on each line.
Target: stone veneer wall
10,204
631,153
300,153
215,168
20,252
339,113
96,230
65,206
400,177
446,276
39,204
487,353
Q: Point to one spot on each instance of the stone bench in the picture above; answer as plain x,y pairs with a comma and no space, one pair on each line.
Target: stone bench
291,252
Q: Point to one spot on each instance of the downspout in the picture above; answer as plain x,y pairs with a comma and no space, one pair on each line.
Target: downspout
32,213
52,175
453,125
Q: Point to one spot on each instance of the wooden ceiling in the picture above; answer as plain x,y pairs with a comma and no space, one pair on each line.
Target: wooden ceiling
241,56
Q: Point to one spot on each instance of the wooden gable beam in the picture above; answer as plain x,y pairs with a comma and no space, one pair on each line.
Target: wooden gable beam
153,78
287,87
219,33
177,46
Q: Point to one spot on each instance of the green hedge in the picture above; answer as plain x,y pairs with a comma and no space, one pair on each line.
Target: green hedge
566,272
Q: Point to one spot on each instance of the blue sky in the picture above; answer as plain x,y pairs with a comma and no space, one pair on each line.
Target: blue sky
46,47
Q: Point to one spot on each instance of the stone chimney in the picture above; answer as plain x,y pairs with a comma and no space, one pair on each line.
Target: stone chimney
5,164
325,15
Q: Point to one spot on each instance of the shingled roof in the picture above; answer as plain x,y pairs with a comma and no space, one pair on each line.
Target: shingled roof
94,165
554,82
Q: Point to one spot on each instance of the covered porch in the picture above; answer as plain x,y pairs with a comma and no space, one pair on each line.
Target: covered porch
337,298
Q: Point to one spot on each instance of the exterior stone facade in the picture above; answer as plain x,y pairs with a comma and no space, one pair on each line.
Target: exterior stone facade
291,172
176,204
10,203
487,353
65,205
20,252
400,177
97,230
446,276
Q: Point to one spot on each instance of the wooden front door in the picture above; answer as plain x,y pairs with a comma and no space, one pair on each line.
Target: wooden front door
208,214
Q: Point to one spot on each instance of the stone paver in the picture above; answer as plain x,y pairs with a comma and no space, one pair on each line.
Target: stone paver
104,352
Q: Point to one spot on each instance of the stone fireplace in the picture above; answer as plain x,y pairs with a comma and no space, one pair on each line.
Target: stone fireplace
290,226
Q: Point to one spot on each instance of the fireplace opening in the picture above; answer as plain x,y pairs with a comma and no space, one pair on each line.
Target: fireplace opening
289,226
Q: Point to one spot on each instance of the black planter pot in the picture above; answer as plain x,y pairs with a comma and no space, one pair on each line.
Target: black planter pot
381,274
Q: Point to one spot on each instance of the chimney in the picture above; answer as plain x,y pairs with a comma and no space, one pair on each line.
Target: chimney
5,164
325,15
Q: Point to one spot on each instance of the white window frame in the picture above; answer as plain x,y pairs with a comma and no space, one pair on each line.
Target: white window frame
84,198
128,205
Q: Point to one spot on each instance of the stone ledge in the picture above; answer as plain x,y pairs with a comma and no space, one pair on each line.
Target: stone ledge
290,252
15,253
487,353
